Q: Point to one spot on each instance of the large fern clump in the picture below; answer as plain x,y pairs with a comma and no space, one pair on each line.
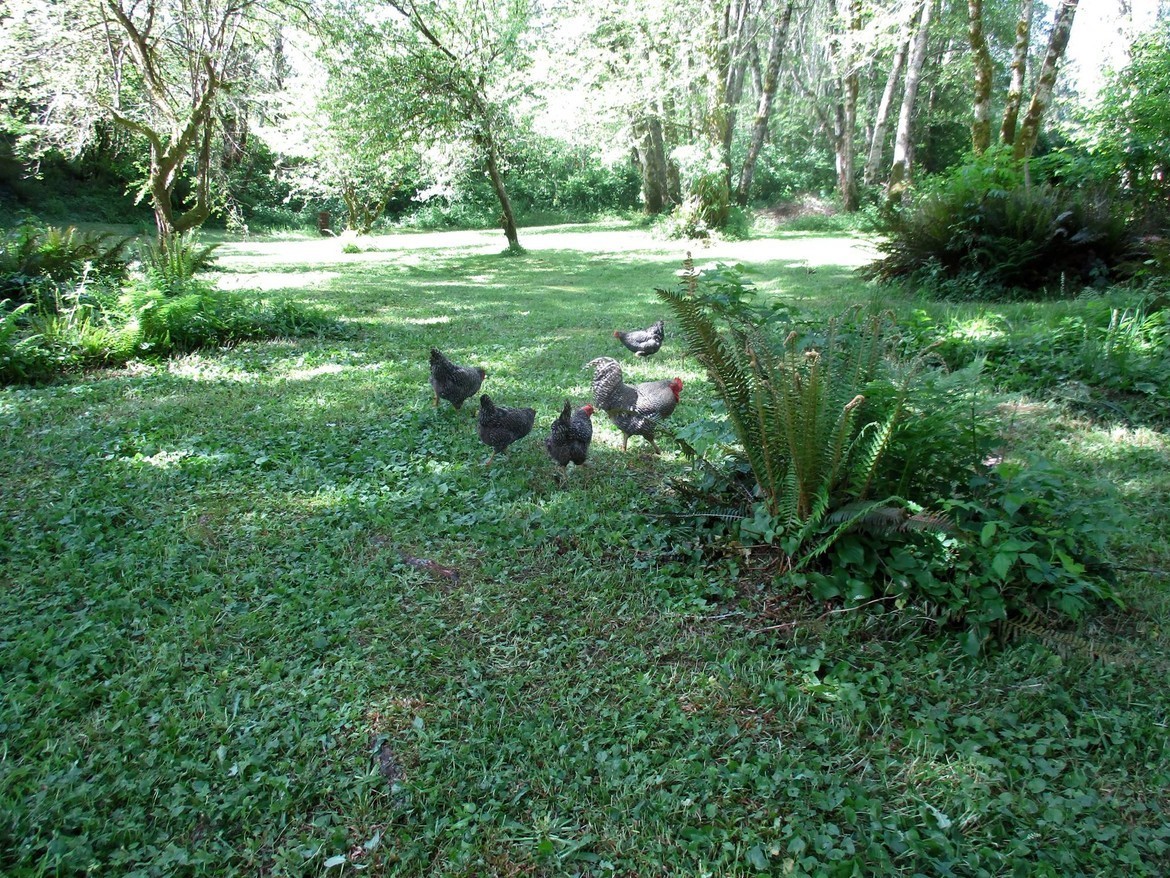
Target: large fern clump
985,231
37,262
867,468
796,402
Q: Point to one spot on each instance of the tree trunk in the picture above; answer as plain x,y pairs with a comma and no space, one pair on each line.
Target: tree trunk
771,80
1011,111
846,112
984,73
882,118
507,218
1046,82
904,140
652,153
846,154
727,66
165,165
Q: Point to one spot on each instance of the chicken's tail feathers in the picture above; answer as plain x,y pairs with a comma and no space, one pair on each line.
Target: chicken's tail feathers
603,363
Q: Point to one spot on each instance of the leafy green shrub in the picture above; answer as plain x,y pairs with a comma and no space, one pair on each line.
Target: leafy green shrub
1128,131
170,268
22,356
1105,357
85,331
847,447
706,204
1024,536
1029,535
796,406
983,231
35,260
203,317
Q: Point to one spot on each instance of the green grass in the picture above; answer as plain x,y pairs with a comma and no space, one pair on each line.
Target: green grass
224,650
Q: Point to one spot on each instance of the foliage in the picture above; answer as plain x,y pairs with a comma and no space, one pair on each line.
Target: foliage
36,260
796,406
1109,358
870,470
1129,130
201,316
983,231
22,356
175,79
170,270
706,193
168,309
1041,540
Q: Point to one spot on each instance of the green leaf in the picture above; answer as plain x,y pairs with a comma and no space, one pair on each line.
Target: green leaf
758,857
1002,563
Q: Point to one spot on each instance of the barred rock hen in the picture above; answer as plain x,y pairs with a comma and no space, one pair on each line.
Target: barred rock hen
636,409
499,426
569,437
454,383
643,342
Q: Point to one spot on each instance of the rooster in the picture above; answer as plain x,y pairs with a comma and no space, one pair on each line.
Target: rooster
635,409
569,437
643,342
454,383
499,426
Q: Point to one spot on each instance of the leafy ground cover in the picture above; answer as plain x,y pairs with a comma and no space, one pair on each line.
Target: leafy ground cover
265,612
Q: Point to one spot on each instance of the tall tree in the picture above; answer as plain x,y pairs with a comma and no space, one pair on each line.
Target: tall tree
769,82
885,104
843,46
437,69
158,68
1015,94
904,140
984,78
1046,81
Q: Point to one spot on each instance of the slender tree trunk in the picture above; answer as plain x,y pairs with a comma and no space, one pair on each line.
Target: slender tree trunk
845,123
652,156
1046,82
984,73
771,80
904,140
1011,111
877,140
507,218
846,154
726,71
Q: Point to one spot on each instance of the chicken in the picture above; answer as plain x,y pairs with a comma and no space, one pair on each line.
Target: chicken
454,383
499,426
636,409
643,342
569,437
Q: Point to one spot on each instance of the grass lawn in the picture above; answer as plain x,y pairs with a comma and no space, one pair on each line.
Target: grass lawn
265,612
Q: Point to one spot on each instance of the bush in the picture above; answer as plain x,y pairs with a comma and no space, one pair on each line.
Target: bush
167,309
866,470
1110,356
983,232
171,268
35,261
22,356
202,316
